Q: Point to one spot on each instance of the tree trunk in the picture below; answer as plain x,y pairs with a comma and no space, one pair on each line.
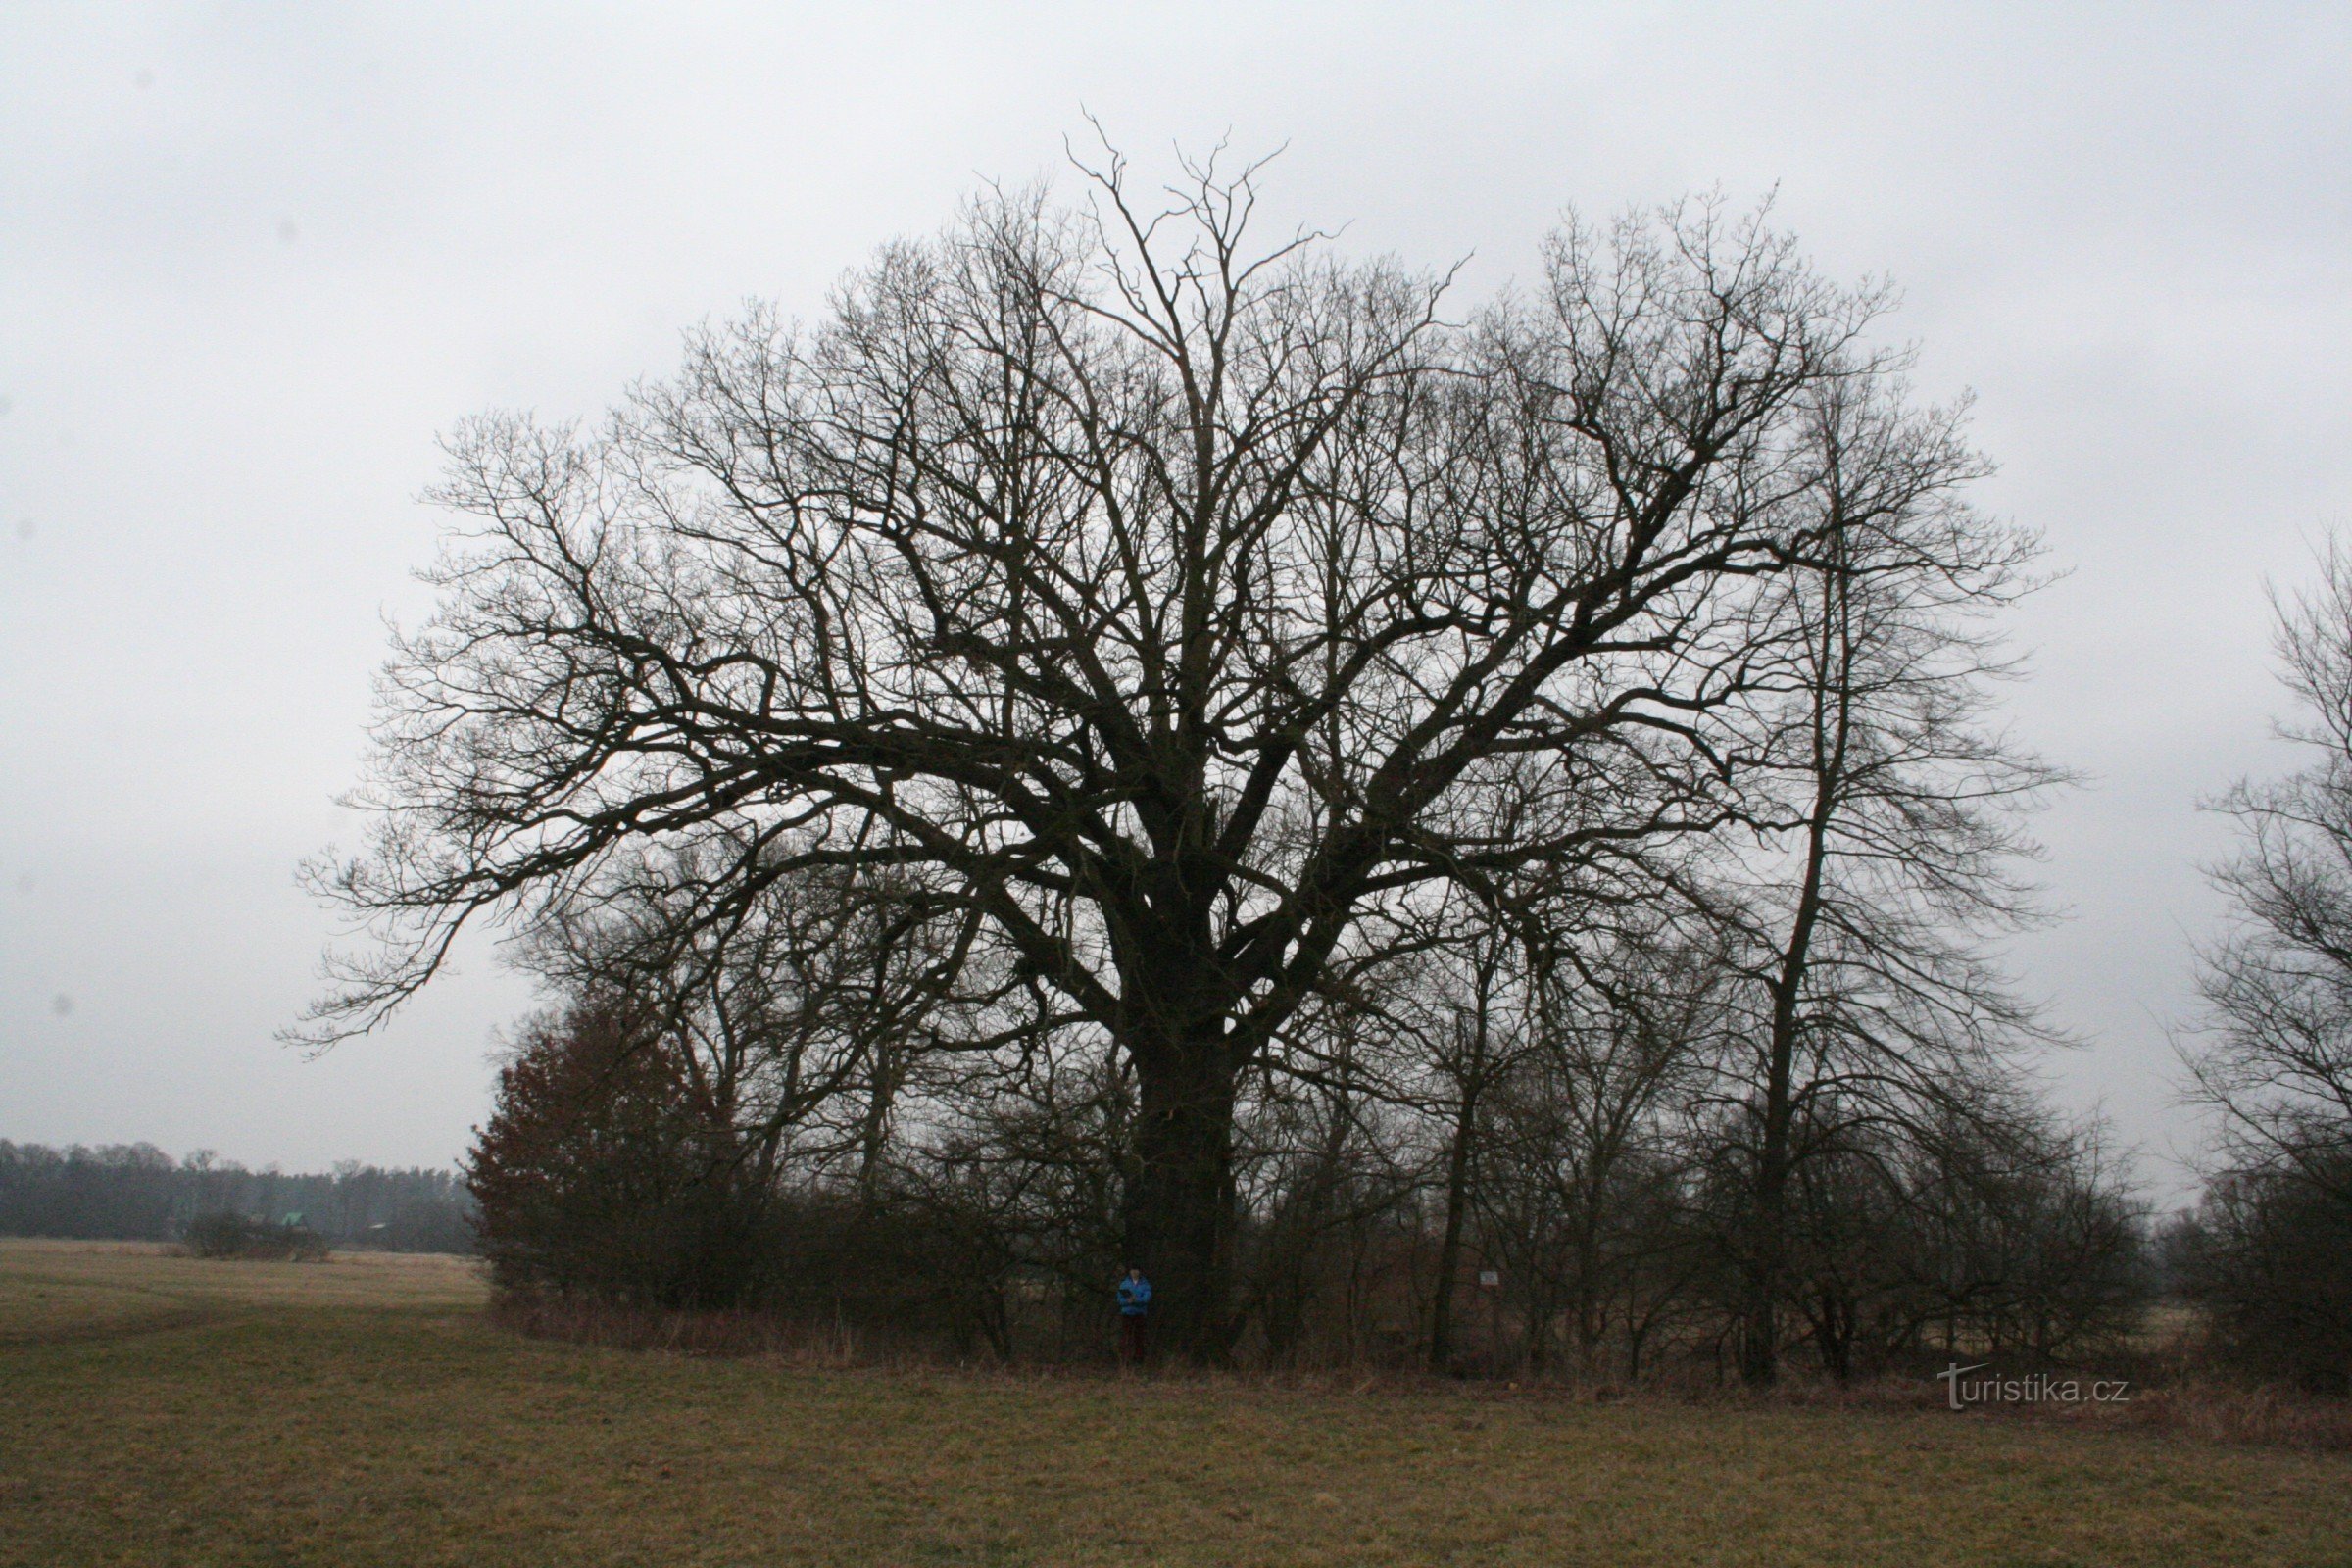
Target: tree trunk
1180,1219
1449,1247
1542,1316
875,1128
1833,1327
1589,1311
1472,1080
1768,1243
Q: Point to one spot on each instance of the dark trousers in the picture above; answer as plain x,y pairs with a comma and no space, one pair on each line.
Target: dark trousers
1131,1338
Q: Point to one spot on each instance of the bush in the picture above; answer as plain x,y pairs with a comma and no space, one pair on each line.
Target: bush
604,1173
239,1236
2268,1255
611,1190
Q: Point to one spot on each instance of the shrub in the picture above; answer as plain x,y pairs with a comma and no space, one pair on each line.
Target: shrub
239,1236
602,1171
2268,1255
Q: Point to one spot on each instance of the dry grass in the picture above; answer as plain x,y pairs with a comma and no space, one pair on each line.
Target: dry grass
366,1411
2225,1412
82,1289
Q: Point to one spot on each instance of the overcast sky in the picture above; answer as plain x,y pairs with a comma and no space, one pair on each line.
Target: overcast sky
253,258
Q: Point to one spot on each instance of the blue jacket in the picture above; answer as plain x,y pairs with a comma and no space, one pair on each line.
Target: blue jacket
1135,1298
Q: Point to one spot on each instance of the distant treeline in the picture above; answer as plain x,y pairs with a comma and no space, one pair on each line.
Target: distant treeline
135,1192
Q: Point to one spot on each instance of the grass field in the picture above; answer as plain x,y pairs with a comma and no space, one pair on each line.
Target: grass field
165,1410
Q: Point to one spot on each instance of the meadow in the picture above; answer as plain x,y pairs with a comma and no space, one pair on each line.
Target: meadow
168,1410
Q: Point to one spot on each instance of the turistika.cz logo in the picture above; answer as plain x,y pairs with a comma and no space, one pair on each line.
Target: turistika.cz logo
2038,1388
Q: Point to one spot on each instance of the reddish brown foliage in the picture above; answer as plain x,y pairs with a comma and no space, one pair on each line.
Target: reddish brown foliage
602,1171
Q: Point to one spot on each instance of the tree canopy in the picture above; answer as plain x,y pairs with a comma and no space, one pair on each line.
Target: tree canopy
1156,614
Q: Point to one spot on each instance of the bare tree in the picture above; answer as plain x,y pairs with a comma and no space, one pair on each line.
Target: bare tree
1585,1133
1876,1003
2276,1058
1466,1003
1163,604
1323,1159
796,1009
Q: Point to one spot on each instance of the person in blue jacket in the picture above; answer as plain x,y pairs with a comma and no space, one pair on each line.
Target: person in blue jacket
1135,1310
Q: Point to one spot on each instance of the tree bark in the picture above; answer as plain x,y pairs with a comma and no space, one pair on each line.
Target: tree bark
1768,1240
1457,1169
1450,1247
1180,1209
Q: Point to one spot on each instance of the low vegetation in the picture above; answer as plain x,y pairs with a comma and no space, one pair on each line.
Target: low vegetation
171,1410
223,1236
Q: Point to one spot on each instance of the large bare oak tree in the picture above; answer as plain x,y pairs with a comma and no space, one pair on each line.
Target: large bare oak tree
1162,605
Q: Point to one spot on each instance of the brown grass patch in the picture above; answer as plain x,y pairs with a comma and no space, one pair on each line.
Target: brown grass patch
314,1425
2164,1397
